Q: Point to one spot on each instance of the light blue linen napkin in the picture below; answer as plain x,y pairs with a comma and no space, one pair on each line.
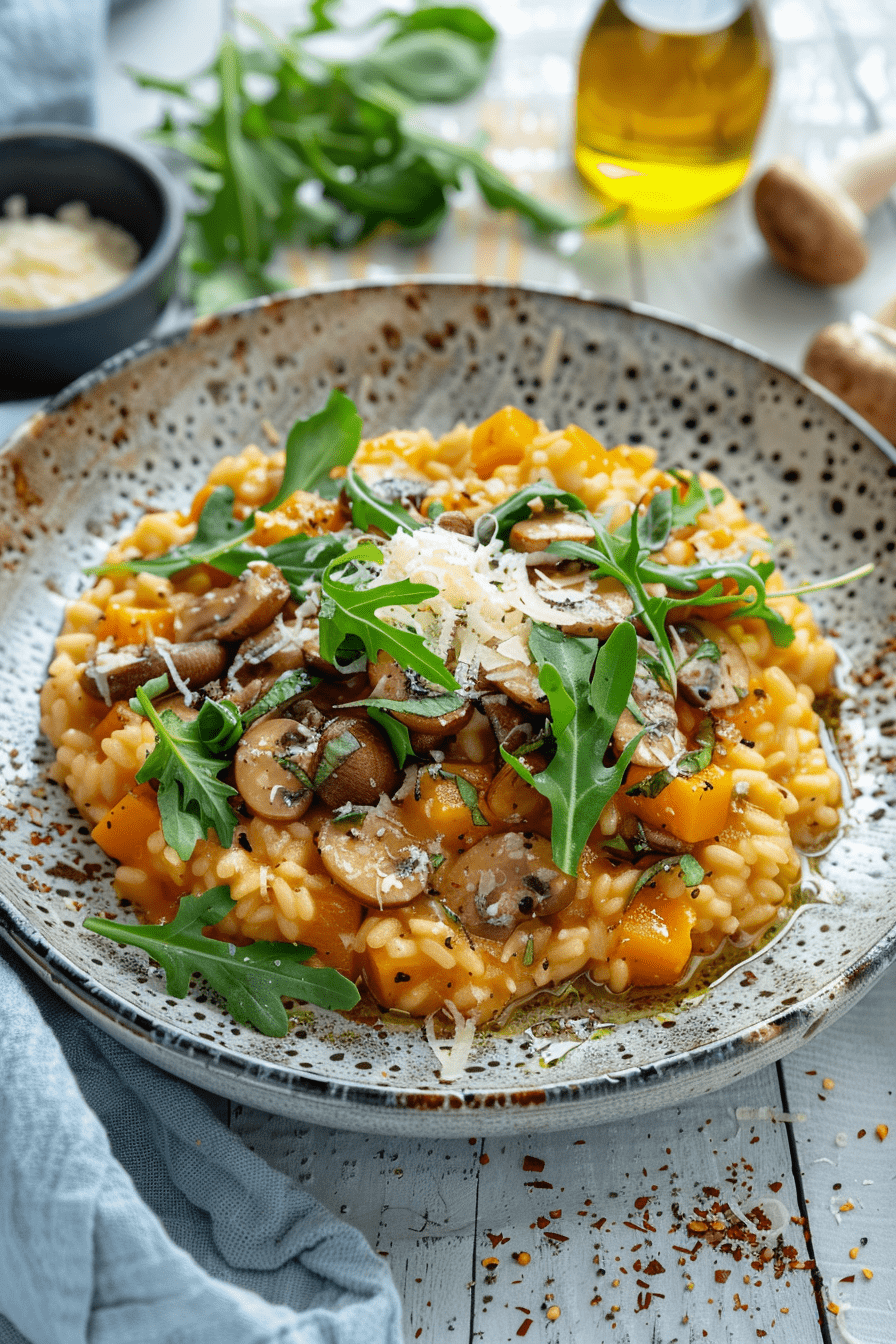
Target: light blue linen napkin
130,1214
48,58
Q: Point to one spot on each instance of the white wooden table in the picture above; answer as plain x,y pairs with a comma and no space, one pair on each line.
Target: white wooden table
618,1221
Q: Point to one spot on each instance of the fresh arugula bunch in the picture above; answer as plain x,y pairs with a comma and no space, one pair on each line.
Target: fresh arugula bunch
314,447
326,154
588,686
253,980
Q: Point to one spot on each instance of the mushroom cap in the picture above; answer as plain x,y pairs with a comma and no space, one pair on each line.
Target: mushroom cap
269,789
365,772
503,881
813,232
858,363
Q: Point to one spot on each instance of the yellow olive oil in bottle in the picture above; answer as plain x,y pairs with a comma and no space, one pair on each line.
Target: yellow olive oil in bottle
670,96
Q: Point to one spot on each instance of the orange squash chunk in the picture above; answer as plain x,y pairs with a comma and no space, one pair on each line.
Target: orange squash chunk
440,815
502,440
135,625
692,807
124,830
654,937
587,456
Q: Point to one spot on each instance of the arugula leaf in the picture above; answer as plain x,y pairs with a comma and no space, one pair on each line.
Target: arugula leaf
287,686
499,520
370,509
397,733
315,446
587,686
348,609
253,980
192,799
219,726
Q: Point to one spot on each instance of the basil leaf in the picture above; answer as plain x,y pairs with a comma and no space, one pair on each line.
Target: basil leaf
370,509
252,980
335,752
427,706
692,874
469,795
689,764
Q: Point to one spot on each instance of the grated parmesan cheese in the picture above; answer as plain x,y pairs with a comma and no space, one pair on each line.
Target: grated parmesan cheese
53,262
454,1055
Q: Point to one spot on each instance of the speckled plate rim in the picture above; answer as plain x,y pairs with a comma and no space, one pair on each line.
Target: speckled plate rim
450,1108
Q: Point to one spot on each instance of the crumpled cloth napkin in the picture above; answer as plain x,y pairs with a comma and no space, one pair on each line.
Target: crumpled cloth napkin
130,1214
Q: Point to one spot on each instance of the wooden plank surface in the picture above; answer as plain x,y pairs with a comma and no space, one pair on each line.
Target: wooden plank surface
601,1212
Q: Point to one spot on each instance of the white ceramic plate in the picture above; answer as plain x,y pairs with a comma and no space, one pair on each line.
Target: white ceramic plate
145,429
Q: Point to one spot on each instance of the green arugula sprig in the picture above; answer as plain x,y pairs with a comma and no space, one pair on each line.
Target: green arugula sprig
625,555
349,609
252,980
326,154
327,439
587,686
370,509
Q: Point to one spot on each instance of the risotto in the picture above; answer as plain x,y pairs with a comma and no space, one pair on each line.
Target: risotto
507,708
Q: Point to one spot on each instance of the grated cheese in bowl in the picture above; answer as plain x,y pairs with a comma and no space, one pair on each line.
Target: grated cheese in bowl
53,262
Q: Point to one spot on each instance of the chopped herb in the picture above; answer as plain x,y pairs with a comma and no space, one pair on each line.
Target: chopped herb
287,686
587,688
349,609
469,795
529,952
334,753
436,861
689,764
252,980
692,873
427,706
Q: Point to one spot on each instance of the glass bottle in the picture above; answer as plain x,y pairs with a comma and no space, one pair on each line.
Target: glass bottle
670,97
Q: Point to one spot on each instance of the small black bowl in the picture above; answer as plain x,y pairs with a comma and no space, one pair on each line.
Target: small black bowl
44,349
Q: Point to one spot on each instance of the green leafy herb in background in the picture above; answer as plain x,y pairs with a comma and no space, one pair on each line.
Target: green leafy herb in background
253,980
325,153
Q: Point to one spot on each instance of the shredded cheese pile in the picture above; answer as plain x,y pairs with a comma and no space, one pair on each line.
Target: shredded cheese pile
51,263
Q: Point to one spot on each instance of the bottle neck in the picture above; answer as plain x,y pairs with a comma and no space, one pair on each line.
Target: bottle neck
691,17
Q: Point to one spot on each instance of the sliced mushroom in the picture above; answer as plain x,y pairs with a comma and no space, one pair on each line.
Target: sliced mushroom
511,800
511,726
269,789
117,674
390,681
452,520
536,534
504,880
520,682
377,861
712,683
241,609
363,766
594,612
663,741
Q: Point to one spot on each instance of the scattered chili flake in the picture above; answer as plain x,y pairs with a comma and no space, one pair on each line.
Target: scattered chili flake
484,1160
556,1236
722,1276
496,1239
882,1131
524,1326
491,1262
833,1309
847,1207
775,1186
556,1213
533,1163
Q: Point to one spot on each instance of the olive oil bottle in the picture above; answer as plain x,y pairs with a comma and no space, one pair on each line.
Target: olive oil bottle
670,97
